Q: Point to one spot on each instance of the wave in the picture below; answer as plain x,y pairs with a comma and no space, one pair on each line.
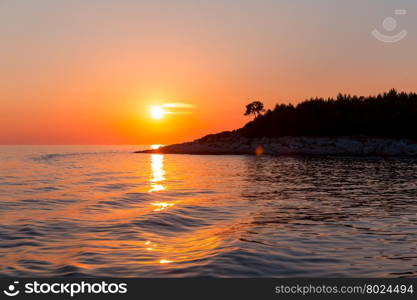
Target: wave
46,158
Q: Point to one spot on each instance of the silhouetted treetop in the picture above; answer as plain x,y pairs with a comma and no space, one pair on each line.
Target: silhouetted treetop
256,108
391,114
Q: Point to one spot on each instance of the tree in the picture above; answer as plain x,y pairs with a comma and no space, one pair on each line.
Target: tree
255,108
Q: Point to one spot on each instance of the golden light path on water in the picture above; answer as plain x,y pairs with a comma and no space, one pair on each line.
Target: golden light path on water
182,249
157,173
157,177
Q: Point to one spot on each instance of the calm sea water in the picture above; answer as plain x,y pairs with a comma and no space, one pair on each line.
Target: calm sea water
104,211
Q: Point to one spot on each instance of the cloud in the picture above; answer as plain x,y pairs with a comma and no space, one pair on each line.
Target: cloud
177,106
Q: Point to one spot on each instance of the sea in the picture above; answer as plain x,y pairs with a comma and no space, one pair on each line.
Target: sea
98,211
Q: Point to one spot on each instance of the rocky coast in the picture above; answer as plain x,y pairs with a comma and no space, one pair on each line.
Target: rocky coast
234,143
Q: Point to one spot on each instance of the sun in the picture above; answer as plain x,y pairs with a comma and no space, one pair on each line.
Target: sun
157,112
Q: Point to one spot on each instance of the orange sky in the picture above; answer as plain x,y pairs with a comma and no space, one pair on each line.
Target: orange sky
87,72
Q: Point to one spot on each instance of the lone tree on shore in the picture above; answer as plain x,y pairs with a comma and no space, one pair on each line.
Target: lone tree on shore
256,108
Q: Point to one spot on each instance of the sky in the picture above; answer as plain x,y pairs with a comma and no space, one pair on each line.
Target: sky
90,71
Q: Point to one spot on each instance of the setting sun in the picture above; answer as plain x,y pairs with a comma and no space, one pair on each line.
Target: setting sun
157,112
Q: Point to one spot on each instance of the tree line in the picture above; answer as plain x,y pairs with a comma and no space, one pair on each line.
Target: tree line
391,114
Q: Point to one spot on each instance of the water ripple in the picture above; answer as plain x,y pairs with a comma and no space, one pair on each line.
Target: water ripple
108,212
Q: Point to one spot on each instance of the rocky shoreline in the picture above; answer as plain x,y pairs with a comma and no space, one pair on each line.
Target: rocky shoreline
235,144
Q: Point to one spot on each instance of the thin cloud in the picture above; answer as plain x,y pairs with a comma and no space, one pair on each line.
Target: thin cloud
178,105
184,108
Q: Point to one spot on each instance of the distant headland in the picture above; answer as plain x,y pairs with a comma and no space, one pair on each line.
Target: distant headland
384,124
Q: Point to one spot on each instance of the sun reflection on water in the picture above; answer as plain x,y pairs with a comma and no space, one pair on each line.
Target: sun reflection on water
156,188
157,173
165,261
184,247
161,205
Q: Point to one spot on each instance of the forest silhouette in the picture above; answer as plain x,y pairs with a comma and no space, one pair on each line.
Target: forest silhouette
391,114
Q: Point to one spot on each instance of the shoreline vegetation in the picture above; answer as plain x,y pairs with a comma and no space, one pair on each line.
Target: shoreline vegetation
382,125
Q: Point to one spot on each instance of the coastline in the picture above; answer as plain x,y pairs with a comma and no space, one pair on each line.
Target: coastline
231,143
381,125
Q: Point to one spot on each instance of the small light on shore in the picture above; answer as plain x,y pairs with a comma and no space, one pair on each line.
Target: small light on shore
259,150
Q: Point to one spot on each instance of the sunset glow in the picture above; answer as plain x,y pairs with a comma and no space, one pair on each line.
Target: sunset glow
138,74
